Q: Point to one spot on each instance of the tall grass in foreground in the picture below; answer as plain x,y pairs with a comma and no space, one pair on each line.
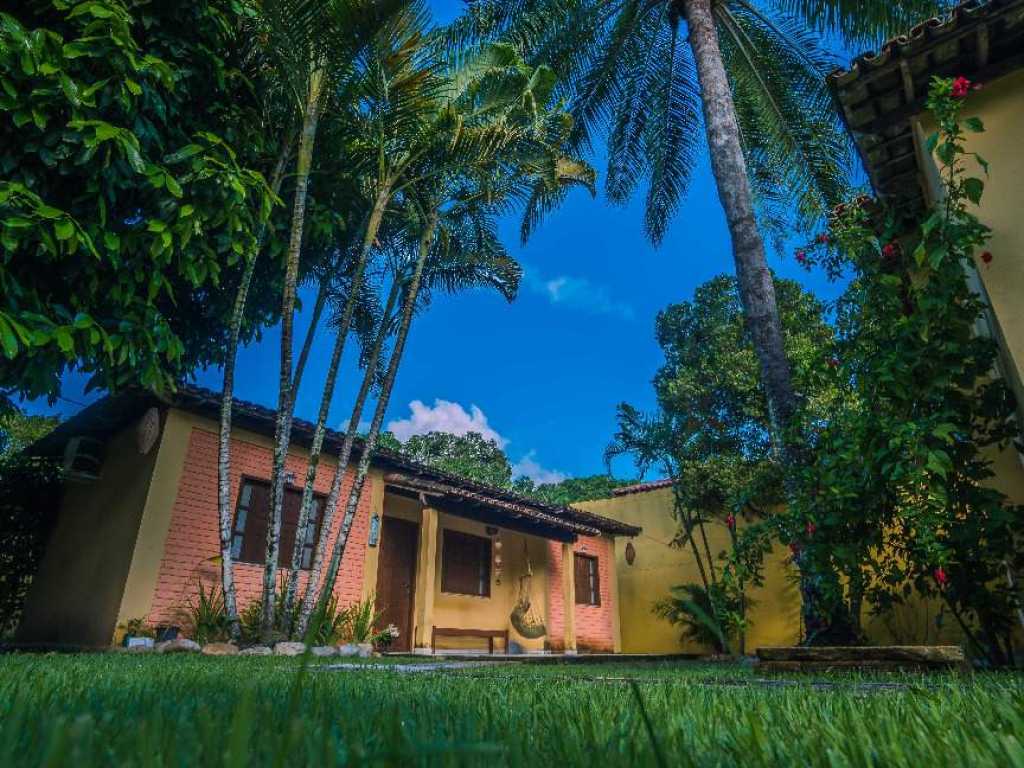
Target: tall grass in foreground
174,711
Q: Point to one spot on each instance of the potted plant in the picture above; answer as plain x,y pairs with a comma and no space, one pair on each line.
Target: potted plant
137,634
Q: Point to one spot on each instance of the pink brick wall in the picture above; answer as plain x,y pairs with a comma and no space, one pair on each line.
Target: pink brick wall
193,540
594,630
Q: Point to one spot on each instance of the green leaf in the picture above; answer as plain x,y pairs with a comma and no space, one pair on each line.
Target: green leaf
974,125
946,152
189,150
172,185
931,142
82,320
64,229
973,188
64,338
8,340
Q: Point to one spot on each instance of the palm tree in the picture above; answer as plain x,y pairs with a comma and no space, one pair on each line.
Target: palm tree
494,123
753,68
311,48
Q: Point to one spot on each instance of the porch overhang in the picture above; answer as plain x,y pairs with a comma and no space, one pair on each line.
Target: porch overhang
470,504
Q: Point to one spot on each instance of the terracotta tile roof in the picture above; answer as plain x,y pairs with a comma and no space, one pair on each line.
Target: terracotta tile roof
880,92
654,485
113,413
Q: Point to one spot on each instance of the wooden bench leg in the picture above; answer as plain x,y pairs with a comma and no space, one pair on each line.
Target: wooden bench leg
433,641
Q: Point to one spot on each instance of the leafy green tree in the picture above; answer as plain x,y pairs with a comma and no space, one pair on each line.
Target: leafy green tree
18,430
712,436
123,205
470,456
570,490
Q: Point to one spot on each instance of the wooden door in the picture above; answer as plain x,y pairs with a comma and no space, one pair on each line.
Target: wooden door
396,577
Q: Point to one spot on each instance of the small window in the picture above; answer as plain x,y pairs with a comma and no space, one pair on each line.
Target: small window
465,564
588,583
249,542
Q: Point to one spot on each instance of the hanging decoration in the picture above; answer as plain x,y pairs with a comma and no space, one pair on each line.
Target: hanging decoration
525,620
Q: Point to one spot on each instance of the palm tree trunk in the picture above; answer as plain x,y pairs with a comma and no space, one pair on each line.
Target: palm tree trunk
307,345
227,398
283,425
356,491
372,228
729,167
344,456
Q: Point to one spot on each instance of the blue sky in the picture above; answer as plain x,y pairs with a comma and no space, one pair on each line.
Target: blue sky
542,375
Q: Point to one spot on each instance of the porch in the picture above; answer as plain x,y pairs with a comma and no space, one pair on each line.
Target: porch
461,573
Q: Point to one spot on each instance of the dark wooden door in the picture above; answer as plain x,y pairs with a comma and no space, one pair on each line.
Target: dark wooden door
396,577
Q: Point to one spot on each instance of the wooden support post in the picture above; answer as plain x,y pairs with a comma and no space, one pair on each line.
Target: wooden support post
569,596
426,568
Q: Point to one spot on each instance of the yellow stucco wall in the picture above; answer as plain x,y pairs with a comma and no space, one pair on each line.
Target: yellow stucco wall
449,610
76,596
775,609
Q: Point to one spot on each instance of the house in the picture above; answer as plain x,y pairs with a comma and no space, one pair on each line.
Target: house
137,532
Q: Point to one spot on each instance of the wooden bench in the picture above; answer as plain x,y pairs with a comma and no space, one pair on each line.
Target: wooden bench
490,634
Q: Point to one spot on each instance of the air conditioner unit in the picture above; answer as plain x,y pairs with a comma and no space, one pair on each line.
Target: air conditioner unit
83,459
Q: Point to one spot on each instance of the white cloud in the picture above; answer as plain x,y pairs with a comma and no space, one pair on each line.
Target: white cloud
576,293
444,416
528,467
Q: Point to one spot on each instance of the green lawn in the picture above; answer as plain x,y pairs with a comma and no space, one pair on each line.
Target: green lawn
115,709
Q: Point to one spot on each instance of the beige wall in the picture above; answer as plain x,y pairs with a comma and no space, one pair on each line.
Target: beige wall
775,609
1001,107
76,596
449,610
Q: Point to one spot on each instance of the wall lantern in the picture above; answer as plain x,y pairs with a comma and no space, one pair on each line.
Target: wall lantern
630,553
374,536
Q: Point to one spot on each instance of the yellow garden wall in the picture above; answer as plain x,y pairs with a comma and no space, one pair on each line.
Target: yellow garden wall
775,608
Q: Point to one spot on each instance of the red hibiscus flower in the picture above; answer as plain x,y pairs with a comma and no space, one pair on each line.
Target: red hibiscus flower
801,257
986,256
730,520
940,576
890,250
811,528
822,238
961,87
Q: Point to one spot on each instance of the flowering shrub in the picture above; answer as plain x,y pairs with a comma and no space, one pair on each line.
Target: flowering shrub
893,497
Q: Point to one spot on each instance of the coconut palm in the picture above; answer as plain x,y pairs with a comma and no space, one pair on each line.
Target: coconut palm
642,72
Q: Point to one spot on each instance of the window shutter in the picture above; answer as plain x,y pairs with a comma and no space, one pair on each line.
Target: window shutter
465,564
254,541
585,575
252,528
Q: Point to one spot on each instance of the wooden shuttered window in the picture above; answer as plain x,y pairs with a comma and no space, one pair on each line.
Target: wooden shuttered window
588,584
252,515
465,564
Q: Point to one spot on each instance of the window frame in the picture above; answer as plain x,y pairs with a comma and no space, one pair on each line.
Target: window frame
238,534
483,578
592,595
